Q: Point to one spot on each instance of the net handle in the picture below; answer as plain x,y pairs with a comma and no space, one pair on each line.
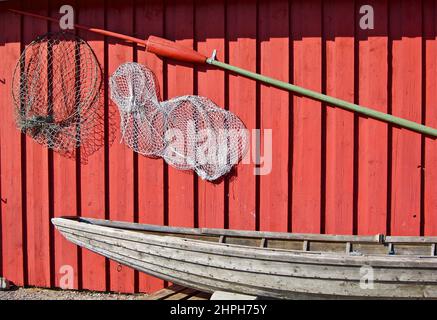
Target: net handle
155,45
173,50
82,27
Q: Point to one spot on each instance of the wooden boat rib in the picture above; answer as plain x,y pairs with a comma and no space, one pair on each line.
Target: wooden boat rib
267,264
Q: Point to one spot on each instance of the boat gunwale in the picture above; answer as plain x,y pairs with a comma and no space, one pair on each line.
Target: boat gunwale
378,238
310,257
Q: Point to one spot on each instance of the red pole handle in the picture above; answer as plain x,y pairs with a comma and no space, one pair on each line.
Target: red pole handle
156,45
170,49
78,26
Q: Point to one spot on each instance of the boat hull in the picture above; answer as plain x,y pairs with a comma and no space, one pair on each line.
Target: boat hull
275,273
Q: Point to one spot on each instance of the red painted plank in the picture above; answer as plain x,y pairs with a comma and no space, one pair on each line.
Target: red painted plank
372,152
10,155
307,118
274,37
339,30
37,166
179,27
121,170
93,172
64,198
211,84
405,29
430,196
241,30
150,171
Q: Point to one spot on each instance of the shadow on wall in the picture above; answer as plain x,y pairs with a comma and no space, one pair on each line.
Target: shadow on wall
331,29
322,12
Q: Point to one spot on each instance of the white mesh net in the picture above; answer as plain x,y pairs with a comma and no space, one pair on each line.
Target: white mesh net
189,132
57,90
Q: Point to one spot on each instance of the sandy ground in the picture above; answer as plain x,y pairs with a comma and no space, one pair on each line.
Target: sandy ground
46,294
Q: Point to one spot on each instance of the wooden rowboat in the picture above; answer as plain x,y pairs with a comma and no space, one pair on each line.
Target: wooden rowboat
266,264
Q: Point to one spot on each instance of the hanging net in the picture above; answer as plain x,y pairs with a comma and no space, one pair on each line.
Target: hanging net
57,90
188,132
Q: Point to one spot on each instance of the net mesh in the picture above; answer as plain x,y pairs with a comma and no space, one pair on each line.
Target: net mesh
188,132
57,89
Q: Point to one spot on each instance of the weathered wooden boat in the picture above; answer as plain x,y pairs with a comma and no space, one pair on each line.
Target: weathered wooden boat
266,264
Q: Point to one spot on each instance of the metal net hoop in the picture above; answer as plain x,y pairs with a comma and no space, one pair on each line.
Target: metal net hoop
188,132
134,90
56,88
209,140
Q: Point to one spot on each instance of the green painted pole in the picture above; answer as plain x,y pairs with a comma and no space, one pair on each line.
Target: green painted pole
411,125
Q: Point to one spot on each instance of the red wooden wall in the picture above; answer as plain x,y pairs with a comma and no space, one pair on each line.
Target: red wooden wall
332,171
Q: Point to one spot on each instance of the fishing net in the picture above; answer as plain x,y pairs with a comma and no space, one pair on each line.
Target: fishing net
57,90
188,132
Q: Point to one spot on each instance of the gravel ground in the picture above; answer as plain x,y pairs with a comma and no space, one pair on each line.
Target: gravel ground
48,294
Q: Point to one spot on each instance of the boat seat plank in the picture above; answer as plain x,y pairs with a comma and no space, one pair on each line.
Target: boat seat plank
410,239
200,296
166,292
182,295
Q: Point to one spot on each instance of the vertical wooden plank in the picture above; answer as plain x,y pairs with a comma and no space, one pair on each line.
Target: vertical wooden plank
274,51
179,27
405,30
339,34
121,159
430,38
372,151
11,208
210,35
64,194
37,177
307,120
241,36
149,21
92,174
